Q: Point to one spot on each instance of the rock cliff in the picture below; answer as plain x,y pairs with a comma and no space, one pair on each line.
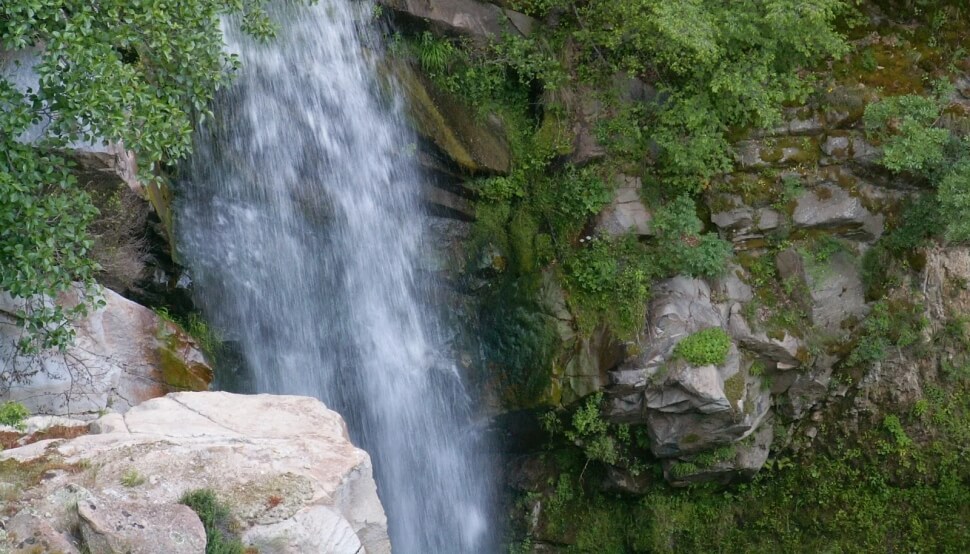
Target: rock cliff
283,465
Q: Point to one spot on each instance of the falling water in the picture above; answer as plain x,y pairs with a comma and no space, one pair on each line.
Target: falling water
299,221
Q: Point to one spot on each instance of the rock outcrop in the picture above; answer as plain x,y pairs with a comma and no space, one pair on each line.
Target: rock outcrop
478,20
441,119
284,466
686,408
122,355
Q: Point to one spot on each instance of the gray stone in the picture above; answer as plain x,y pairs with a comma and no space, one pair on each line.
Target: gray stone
679,307
805,393
123,353
467,17
837,146
831,207
745,460
784,352
623,480
685,408
112,527
447,203
626,213
831,291
293,449
30,533
741,222
730,288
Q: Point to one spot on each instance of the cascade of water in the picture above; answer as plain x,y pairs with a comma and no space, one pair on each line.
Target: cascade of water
300,224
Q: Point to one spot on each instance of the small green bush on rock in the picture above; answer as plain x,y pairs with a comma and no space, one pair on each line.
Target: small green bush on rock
13,414
216,520
706,347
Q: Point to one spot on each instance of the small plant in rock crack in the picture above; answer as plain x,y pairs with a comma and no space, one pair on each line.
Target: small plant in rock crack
131,478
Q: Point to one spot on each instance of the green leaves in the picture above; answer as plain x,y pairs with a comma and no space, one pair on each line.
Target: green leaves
954,197
906,127
681,248
722,65
135,72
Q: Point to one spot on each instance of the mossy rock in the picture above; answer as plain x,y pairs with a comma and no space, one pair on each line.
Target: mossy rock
177,370
474,145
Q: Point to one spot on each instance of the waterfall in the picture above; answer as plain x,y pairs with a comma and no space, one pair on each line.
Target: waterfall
299,220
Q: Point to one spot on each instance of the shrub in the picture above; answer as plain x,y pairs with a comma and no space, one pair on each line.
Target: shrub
904,125
681,247
888,325
954,197
13,414
216,520
706,347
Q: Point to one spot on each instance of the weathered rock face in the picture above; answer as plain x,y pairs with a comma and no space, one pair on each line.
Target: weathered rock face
831,207
831,293
626,213
466,17
132,528
123,354
686,408
723,465
283,464
440,118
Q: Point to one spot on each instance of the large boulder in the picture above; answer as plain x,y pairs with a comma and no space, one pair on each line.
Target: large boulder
122,355
284,465
114,527
831,208
479,20
687,409
739,461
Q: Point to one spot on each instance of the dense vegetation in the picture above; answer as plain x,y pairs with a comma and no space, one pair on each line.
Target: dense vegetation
136,73
715,71
673,85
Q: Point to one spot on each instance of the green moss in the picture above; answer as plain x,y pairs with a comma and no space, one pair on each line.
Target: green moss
175,371
706,347
734,389
692,438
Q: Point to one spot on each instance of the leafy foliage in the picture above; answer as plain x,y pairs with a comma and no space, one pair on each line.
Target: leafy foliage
722,64
954,195
13,413
887,325
610,282
706,347
682,248
599,440
906,127
139,73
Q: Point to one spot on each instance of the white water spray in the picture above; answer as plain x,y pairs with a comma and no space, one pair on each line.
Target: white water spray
299,221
